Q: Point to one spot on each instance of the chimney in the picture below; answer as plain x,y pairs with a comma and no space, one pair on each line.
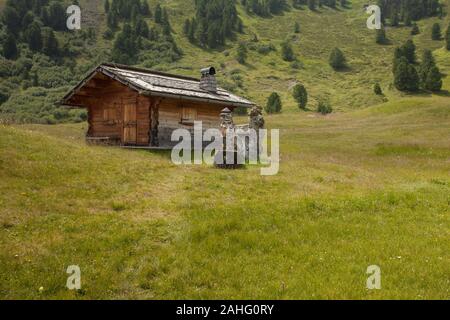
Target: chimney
208,81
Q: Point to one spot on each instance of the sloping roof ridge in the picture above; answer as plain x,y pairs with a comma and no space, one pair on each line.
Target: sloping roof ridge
147,71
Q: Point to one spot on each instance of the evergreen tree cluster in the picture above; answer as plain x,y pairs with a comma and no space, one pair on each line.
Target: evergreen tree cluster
33,22
407,11
214,22
125,10
407,78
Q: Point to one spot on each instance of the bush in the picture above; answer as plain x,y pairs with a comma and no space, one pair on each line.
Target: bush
377,89
300,95
324,107
287,53
240,111
4,95
241,53
273,103
415,29
108,34
381,36
266,48
296,65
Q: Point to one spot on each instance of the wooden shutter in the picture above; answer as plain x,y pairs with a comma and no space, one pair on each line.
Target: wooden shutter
189,115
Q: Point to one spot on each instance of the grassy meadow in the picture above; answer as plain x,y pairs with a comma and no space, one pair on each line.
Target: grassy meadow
367,185
354,189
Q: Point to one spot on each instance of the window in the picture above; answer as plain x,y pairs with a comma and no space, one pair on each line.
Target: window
189,115
110,115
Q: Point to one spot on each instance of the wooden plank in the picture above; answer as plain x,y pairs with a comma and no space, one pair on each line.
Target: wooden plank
130,123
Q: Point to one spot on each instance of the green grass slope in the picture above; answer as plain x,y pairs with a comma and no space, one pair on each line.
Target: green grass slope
354,189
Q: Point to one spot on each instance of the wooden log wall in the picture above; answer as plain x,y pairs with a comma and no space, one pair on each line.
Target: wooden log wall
156,117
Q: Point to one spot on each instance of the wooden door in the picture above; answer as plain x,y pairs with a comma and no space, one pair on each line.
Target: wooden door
129,123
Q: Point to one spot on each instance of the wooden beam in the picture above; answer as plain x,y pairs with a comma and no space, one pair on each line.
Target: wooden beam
154,121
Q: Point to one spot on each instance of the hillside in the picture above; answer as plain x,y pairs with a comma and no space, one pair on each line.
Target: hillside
263,73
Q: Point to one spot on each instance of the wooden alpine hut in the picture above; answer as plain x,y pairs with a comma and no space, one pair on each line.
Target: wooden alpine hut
138,107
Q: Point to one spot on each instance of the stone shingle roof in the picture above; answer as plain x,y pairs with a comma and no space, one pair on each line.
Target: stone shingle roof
156,83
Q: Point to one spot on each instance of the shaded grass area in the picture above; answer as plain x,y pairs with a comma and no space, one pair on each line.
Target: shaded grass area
354,189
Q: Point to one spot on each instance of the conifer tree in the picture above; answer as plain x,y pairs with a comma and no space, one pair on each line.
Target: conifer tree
27,20
433,81
158,13
145,9
409,51
425,66
112,20
35,79
187,27
11,20
300,95
312,5
107,6
50,45
125,46
395,20
57,16
405,76
33,36
436,32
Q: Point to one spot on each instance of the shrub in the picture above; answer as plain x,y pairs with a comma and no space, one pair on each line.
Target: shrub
300,95
265,48
108,34
241,53
436,32
381,36
296,65
337,59
415,29
447,38
324,107
4,95
287,53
